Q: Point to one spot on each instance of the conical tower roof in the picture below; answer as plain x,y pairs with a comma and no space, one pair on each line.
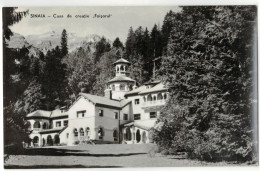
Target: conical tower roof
122,61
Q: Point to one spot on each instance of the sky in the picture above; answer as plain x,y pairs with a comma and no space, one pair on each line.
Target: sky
117,25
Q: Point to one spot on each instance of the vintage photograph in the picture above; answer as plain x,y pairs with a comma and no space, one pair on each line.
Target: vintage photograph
130,86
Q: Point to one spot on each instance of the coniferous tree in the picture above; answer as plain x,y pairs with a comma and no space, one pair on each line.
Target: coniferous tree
168,24
13,121
209,74
81,73
117,43
101,47
64,42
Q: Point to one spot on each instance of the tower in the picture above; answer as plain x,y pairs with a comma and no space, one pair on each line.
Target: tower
120,84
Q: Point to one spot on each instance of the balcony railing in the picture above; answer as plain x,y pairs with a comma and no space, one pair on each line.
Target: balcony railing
154,103
37,129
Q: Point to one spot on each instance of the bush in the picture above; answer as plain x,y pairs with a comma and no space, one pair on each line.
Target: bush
76,142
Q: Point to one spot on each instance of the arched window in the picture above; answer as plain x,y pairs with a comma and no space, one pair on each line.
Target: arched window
35,140
81,132
49,140
122,86
117,69
87,132
131,87
75,132
100,133
113,87
149,97
165,96
128,134
115,135
121,68
154,98
159,96
28,125
144,99
44,126
37,124
56,139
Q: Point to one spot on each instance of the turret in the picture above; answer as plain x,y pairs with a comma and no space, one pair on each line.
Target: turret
119,85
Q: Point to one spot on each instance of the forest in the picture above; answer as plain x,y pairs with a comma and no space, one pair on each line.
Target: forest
206,56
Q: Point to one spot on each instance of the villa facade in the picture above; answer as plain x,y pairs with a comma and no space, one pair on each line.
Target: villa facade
124,115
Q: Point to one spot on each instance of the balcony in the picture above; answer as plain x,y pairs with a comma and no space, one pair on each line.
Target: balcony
153,103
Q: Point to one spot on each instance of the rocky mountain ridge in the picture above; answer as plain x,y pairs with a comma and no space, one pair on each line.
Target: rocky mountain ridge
49,40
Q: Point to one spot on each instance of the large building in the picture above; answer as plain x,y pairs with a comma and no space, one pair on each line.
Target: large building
124,115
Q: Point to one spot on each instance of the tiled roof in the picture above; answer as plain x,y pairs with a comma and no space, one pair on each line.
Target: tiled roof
144,90
121,61
105,101
57,129
39,113
137,90
152,82
158,87
139,125
57,113
121,78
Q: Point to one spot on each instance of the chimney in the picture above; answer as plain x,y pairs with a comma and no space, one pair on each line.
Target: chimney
108,93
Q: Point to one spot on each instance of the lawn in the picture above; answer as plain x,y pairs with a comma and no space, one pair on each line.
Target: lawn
106,155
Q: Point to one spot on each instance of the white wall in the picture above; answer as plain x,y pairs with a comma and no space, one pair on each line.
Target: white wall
87,121
57,120
107,122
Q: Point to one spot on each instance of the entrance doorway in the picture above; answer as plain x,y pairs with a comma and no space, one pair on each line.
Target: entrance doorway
138,136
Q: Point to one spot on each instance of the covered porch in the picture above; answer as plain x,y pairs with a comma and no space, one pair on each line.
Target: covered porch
134,133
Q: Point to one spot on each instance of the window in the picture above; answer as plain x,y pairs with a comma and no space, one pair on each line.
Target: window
165,96
58,124
137,101
44,126
81,132
159,96
125,116
100,113
131,87
116,115
113,87
81,114
100,133
122,87
75,132
115,135
149,97
137,116
65,123
67,135
153,115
